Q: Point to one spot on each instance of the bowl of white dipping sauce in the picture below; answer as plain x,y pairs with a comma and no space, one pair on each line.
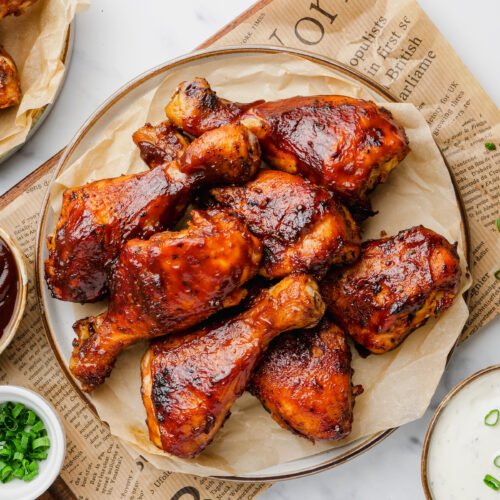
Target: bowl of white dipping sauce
461,453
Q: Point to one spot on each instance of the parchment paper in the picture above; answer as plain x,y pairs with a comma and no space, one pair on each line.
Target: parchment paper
398,385
35,40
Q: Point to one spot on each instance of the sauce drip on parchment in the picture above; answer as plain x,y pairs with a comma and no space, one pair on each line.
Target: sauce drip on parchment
9,284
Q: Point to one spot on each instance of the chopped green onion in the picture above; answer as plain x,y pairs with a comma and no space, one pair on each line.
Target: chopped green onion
17,410
31,415
490,146
19,473
498,224
5,473
23,442
493,483
496,461
492,418
30,475
43,441
37,427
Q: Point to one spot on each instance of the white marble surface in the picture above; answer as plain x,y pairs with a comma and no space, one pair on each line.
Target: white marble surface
118,39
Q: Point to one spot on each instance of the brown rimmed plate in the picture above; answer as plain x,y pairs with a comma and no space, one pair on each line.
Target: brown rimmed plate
58,316
435,418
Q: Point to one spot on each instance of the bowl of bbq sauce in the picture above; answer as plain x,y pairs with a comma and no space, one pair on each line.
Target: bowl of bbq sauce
13,288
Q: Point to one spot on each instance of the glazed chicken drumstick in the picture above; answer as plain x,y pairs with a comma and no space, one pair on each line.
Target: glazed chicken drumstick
190,380
394,287
99,218
344,144
302,227
166,284
304,381
10,88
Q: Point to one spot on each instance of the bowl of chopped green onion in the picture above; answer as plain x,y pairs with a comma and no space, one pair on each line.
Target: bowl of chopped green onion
32,443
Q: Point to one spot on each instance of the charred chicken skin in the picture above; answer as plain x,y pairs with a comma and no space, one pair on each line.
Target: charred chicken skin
160,144
395,286
164,285
15,7
190,380
99,218
304,381
344,144
195,108
10,88
302,227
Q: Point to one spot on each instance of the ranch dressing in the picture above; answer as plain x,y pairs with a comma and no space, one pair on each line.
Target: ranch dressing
462,448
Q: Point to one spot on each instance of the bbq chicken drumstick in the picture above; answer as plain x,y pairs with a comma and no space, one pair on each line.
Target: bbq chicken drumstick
304,381
164,285
344,144
190,380
394,287
303,228
97,219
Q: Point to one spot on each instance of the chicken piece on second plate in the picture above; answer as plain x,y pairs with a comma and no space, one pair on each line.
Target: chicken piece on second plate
302,227
304,381
16,7
10,88
190,380
395,286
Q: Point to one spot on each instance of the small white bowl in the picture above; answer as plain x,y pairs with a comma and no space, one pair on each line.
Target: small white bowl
49,469
22,290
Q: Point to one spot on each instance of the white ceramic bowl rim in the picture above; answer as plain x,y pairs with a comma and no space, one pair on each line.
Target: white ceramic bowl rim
48,469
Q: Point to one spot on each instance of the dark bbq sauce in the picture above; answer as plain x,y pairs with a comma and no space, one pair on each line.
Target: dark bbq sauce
9,285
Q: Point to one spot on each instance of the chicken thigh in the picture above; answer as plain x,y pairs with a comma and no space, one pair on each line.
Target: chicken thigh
190,380
344,144
394,287
304,381
166,284
99,218
302,227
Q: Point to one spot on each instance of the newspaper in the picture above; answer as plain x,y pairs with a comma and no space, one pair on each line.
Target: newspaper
394,43
391,41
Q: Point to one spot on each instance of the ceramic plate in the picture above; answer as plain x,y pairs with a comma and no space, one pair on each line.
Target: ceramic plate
59,316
